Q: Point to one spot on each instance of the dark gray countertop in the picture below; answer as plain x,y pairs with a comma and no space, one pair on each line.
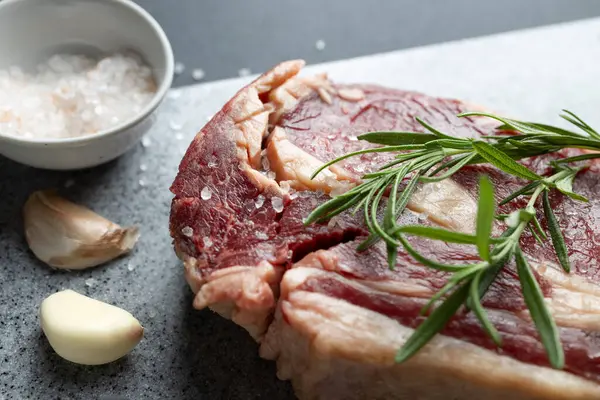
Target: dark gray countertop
224,36
188,354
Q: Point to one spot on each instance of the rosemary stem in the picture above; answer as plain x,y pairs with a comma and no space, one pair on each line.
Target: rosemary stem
534,197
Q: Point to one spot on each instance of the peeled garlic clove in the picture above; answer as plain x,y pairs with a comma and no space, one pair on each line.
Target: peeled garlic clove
87,331
69,236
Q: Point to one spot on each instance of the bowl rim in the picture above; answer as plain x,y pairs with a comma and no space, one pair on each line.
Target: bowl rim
158,97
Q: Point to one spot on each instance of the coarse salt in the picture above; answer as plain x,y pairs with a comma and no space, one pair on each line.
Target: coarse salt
277,203
175,125
260,200
212,162
90,282
249,205
205,194
244,72
332,223
261,235
174,94
73,95
198,74
285,186
179,68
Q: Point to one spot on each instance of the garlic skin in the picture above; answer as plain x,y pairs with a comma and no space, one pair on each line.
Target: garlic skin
88,331
68,236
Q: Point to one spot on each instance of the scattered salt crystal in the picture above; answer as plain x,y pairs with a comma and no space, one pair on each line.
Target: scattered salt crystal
142,183
353,138
285,186
207,242
332,223
143,167
69,183
513,219
212,162
174,94
99,110
205,194
265,163
293,195
90,282
130,266
179,68
198,74
260,200
277,203
244,72
179,136
595,354
146,142
187,231
290,253
73,95
176,126
320,45
423,217
152,313
261,235
271,175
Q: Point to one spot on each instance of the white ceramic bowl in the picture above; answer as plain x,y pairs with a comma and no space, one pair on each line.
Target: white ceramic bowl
32,30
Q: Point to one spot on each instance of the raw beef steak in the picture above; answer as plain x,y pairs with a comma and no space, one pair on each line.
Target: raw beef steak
333,318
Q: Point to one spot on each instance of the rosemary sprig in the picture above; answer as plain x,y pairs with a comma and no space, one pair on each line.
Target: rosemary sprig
435,156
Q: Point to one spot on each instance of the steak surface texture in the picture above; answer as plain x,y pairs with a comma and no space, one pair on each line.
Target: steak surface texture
332,317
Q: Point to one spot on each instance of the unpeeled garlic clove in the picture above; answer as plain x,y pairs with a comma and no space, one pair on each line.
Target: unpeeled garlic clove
66,235
87,331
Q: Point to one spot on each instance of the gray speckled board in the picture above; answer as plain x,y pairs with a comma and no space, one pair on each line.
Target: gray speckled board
188,354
